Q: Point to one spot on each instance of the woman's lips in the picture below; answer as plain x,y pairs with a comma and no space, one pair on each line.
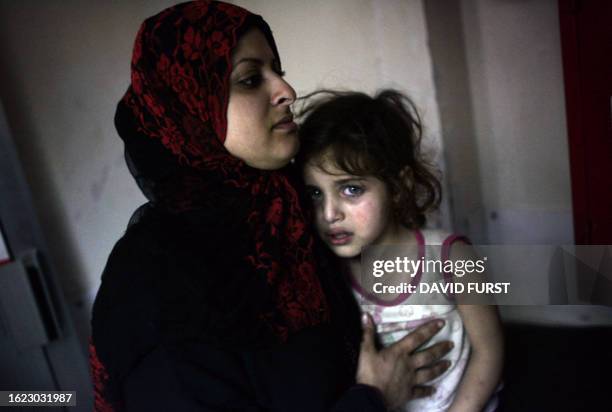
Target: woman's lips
286,126
339,238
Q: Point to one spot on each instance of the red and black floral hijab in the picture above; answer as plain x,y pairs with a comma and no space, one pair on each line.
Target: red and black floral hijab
178,96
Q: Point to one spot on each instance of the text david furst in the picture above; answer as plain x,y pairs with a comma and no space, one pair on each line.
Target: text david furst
446,288
457,268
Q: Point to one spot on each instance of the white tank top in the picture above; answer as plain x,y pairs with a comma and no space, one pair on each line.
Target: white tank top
396,320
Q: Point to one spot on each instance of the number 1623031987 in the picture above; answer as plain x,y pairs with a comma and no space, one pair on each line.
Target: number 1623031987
37,398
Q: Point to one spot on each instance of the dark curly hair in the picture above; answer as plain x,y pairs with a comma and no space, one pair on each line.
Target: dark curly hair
378,136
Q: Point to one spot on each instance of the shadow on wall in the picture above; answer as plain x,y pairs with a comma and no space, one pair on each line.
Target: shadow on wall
448,53
53,221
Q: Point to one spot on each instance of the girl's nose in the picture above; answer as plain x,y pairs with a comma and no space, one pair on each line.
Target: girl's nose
332,211
283,93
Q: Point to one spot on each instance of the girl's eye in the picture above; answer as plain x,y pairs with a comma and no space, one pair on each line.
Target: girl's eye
352,190
252,81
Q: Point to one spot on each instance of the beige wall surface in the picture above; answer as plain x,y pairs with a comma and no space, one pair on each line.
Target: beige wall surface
513,52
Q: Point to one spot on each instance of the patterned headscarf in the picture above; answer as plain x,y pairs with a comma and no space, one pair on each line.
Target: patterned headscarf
178,96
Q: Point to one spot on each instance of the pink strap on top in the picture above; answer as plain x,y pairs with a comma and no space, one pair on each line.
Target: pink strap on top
403,296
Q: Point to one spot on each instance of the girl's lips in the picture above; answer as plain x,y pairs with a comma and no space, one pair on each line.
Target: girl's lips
340,238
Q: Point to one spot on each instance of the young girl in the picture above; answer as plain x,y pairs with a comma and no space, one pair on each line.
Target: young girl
369,184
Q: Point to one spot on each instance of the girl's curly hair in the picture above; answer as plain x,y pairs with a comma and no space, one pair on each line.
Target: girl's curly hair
378,136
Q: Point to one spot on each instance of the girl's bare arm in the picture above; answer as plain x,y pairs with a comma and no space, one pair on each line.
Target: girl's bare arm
484,368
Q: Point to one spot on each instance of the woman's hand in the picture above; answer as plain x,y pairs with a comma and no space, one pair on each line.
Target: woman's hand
395,370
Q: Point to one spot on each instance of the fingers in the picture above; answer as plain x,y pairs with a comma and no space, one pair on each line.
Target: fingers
419,336
367,342
429,356
425,375
422,391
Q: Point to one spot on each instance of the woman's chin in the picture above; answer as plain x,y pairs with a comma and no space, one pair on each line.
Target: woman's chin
286,154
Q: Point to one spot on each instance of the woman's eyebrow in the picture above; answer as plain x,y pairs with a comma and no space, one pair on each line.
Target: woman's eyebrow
254,60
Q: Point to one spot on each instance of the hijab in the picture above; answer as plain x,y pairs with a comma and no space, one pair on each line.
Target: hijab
173,122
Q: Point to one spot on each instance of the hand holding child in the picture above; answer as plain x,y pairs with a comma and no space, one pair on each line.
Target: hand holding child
396,370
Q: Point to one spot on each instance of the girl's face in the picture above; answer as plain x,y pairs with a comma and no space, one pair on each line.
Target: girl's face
351,212
260,127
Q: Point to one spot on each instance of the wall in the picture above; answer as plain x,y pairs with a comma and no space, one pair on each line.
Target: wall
516,85
513,52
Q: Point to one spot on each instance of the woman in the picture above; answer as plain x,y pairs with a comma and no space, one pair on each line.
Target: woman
212,300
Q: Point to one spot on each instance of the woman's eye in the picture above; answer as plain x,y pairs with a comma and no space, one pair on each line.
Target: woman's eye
315,194
277,69
352,190
251,81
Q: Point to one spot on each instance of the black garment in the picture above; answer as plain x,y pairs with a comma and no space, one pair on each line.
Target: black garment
173,328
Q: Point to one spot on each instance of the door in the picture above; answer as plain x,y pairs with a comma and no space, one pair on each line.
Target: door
586,37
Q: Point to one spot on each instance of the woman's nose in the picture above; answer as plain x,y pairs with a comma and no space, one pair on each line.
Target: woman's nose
332,211
283,93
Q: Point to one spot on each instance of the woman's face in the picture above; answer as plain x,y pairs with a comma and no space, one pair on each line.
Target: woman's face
260,127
